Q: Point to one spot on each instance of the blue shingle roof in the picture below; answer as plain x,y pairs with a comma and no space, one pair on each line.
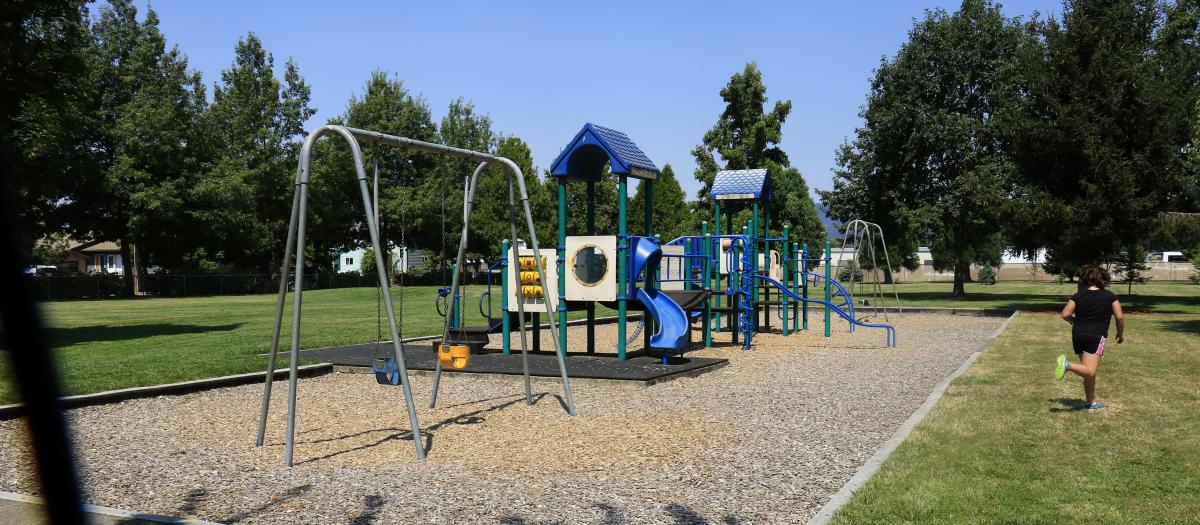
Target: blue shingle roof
595,145
741,184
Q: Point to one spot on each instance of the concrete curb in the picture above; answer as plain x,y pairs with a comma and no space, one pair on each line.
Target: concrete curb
19,508
185,387
975,312
872,465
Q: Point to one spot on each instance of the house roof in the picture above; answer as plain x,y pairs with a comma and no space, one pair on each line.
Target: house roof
741,185
594,145
97,247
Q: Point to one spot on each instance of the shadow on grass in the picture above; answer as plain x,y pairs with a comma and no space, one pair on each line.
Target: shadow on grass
1068,405
64,337
1166,304
1187,326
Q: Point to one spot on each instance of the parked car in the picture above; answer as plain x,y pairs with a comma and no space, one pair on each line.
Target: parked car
41,269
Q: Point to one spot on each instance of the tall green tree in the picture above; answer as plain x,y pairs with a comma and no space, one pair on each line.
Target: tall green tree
671,216
929,163
442,196
746,136
490,220
384,105
44,90
1106,125
145,116
252,129
606,211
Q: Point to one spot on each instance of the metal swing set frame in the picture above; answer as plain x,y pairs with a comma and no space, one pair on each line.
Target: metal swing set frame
294,247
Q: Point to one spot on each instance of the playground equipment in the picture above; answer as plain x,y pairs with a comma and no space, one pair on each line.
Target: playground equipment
745,277
865,235
295,246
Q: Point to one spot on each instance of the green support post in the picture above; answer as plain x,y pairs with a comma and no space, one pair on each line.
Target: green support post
754,263
797,277
455,310
622,263
591,230
506,336
706,271
717,228
828,275
734,252
649,326
562,267
787,274
804,277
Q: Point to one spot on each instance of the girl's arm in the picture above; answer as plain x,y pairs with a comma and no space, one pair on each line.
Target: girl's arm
1068,312
1120,316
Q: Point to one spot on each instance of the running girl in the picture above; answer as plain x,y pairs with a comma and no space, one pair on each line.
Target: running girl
1089,312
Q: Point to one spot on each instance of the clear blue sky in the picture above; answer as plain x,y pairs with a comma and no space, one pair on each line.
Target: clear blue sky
542,69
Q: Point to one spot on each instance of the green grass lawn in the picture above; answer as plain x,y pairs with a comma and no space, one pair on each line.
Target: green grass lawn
1149,297
121,343
1006,443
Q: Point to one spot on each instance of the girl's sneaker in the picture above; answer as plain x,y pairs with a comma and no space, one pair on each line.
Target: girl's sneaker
1060,368
1095,406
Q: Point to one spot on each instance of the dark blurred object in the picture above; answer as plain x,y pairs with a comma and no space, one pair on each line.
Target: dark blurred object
24,345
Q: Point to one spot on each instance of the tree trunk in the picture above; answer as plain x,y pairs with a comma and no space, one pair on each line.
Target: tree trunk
961,272
126,268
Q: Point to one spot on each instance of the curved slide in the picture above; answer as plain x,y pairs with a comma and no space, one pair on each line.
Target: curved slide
890,331
672,321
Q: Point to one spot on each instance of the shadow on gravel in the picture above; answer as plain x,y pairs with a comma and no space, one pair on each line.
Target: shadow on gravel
371,505
64,337
289,494
191,502
403,434
1068,405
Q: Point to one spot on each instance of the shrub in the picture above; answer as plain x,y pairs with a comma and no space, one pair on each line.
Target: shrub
987,275
850,271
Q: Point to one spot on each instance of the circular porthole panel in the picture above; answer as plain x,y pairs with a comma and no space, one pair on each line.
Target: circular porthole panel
589,265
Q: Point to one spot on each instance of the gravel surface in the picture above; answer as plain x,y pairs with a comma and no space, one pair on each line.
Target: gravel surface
768,439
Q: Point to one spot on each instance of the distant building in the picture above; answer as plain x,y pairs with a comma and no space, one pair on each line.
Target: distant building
403,260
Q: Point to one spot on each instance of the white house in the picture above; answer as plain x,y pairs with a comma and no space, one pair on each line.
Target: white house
351,261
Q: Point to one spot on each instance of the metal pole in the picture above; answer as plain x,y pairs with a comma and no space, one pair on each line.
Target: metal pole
450,320
514,260
622,265
562,366
279,303
754,262
506,320
290,437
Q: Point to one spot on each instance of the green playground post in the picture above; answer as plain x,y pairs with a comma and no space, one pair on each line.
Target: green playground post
796,284
787,273
828,276
506,337
706,271
734,285
561,250
717,228
591,230
754,264
622,263
454,313
649,322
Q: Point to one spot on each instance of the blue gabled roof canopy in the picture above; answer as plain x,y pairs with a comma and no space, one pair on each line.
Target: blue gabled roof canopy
741,185
594,146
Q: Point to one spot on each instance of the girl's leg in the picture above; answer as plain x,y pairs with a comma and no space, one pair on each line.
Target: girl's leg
1090,364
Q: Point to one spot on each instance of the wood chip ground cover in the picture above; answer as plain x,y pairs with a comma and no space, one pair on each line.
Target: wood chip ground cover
768,439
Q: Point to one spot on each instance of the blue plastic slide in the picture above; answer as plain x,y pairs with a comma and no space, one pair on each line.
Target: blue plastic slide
889,330
672,321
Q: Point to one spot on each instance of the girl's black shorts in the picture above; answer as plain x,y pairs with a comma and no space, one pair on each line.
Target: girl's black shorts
1092,344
